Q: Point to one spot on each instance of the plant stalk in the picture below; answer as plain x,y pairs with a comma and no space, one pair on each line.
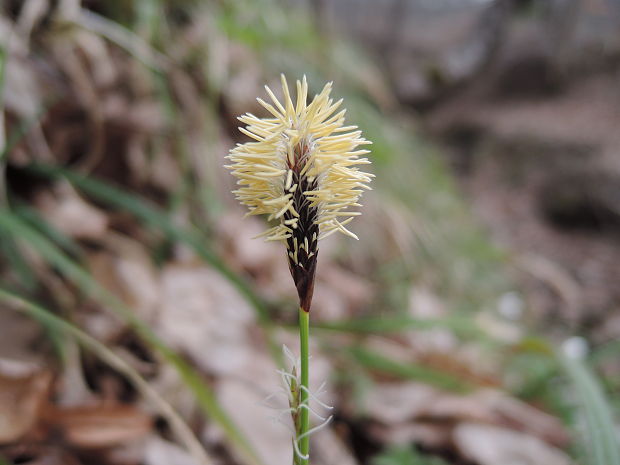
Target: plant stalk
304,424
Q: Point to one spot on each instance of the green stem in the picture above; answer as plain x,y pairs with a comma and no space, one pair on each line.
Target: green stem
304,424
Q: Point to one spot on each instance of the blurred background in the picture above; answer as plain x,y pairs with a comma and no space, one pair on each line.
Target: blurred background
475,322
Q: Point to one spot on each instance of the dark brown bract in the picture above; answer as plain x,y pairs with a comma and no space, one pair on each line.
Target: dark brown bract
302,246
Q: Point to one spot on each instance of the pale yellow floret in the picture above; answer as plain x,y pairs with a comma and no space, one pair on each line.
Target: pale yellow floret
331,153
289,180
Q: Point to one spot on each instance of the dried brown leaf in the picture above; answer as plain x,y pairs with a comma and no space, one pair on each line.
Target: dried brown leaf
339,293
70,214
100,426
404,403
329,449
202,314
491,445
160,452
428,434
39,454
22,398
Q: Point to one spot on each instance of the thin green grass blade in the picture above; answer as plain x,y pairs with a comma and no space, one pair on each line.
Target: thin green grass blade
12,224
604,446
404,455
3,59
4,54
16,262
382,364
394,324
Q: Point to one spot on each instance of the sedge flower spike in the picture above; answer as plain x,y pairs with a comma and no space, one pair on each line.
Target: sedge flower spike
302,170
